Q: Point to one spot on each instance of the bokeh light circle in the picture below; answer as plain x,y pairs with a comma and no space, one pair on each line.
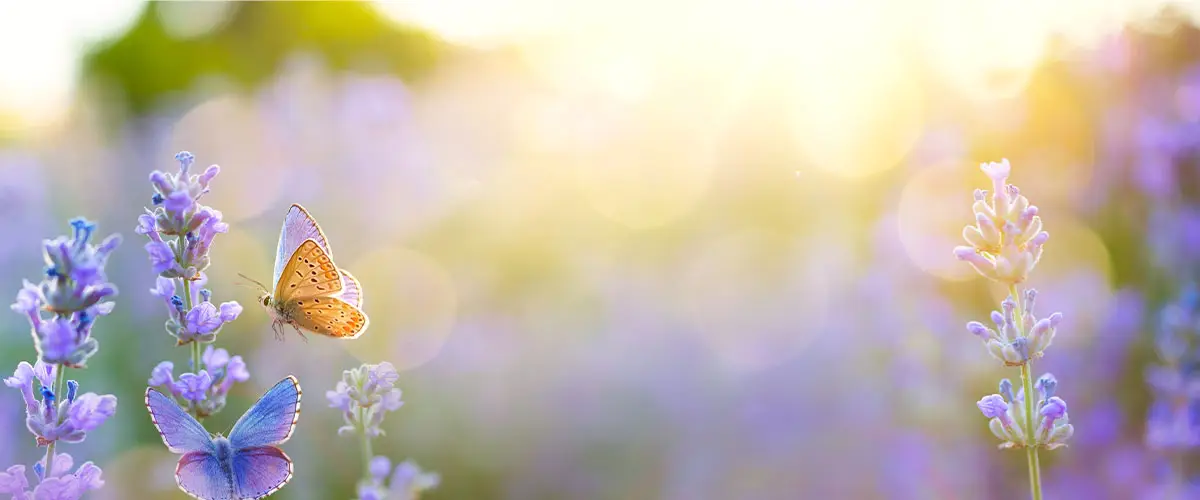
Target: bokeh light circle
229,131
757,298
986,50
934,207
412,303
855,117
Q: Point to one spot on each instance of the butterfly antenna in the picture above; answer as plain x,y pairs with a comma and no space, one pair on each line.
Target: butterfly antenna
252,280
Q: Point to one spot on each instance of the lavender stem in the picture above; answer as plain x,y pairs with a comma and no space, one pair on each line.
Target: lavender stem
59,379
1031,453
366,444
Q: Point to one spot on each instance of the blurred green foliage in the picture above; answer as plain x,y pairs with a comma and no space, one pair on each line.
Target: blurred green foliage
146,63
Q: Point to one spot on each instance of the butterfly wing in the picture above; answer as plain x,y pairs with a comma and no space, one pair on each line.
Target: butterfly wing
298,226
330,316
260,471
200,475
180,432
271,420
351,291
309,273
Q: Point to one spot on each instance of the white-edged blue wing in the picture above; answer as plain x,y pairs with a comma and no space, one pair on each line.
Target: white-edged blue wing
201,475
297,227
260,471
271,420
180,432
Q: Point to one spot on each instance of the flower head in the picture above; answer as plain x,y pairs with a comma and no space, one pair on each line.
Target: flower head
1015,340
194,387
1006,241
204,392
407,481
58,417
75,289
1007,414
1173,422
177,212
56,484
370,388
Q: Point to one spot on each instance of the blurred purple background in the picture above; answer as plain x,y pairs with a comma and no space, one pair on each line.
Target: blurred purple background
631,250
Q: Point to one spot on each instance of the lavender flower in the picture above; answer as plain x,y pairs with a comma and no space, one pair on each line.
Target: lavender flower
1004,246
203,321
180,260
1007,414
51,417
57,484
407,482
364,396
1006,342
1173,424
74,289
178,213
1006,240
205,391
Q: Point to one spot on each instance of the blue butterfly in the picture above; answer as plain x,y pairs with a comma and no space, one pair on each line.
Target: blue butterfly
245,465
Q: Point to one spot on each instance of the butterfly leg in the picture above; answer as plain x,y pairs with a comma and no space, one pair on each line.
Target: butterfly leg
302,337
277,327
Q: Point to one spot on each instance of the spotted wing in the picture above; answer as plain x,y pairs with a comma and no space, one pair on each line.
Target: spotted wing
330,316
309,273
298,226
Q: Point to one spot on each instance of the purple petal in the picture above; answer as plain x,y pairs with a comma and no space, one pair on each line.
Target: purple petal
90,410
162,374
230,311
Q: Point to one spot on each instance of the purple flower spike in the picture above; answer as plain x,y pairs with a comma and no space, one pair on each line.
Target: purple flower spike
57,484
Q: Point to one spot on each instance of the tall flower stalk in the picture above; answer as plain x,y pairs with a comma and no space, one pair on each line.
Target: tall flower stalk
181,232
62,310
1004,245
365,395
1173,423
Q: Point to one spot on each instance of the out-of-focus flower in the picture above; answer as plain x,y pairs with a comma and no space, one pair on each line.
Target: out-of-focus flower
364,395
56,484
1006,241
407,482
1174,419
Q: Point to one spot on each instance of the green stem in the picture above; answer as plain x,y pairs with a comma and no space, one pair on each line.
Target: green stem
59,381
186,286
366,444
1031,451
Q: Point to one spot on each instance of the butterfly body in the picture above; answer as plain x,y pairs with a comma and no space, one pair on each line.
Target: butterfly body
309,292
246,465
